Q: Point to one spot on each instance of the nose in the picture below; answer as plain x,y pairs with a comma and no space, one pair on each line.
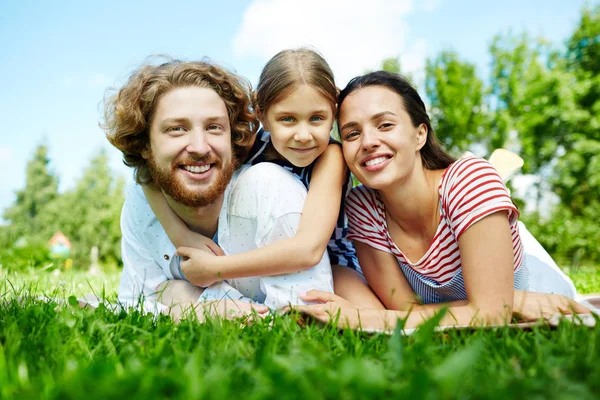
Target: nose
198,143
303,134
370,139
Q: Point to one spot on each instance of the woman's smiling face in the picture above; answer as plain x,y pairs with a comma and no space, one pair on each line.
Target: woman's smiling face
381,145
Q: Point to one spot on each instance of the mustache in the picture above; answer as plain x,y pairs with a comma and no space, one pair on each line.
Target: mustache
195,159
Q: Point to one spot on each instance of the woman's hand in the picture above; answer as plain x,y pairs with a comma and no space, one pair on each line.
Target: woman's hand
198,266
531,306
330,307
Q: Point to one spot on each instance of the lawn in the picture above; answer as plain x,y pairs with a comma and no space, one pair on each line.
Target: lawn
53,351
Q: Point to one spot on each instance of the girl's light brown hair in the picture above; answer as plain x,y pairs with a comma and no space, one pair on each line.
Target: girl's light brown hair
289,69
128,114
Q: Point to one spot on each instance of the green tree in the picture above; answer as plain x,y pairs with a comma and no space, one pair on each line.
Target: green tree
583,56
41,188
89,213
565,104
456,95
577,174
536,99
391,65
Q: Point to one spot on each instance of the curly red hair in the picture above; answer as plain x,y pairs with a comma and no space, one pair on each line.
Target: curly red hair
128,113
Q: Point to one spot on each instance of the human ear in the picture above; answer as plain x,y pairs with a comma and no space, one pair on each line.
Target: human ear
147,152
422,133
260,115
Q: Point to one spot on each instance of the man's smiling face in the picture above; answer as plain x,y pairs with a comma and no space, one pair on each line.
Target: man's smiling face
190,155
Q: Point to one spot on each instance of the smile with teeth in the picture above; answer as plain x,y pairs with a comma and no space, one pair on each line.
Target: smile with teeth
197,169
376,161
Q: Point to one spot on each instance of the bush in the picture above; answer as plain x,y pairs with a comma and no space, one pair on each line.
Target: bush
570,239
34,254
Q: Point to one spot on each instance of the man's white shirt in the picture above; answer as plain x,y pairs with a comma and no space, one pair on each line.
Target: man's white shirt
262,204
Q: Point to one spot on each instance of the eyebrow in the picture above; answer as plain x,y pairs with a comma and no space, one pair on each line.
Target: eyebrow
209,120
319,111
221,119
352,124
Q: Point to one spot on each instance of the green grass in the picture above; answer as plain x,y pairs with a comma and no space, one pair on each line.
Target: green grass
53,351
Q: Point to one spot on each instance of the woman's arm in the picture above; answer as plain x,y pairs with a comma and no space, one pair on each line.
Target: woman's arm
306,248
387,281
176,229
385,277
487,262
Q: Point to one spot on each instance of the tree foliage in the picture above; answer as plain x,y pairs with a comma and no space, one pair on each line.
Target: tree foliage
87,214
551,99
456,96
41,188
576,178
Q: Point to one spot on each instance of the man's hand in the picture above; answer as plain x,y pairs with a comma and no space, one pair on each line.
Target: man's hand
226,309
198,266
531,306
203,243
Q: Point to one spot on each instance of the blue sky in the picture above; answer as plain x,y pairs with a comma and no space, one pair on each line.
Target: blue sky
59,57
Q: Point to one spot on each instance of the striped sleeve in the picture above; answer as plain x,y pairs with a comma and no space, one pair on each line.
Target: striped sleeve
366,219
475,190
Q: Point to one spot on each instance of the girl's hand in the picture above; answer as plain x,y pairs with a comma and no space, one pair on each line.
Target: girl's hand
531,306
198,266
330,307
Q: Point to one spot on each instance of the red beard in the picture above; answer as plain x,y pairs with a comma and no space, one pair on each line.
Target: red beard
167,181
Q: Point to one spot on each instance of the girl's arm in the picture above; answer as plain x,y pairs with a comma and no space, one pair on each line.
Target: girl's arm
176,229
305,250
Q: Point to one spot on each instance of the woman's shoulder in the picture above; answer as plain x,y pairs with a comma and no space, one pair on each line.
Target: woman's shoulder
471,190
467,165
467,171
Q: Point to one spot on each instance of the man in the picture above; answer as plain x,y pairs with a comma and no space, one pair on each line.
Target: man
185,126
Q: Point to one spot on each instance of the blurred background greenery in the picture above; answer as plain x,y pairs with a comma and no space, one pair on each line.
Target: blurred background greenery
541,100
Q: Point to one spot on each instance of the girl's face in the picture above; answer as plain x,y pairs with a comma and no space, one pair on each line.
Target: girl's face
381,145
300,124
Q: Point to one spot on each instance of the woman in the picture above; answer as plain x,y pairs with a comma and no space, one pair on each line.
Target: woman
430,232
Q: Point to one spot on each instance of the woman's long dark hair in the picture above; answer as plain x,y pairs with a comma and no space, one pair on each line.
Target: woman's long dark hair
432,154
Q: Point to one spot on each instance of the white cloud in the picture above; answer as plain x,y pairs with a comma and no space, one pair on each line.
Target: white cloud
5,154
352,35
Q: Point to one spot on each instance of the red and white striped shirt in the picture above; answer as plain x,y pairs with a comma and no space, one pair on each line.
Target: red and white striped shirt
470,189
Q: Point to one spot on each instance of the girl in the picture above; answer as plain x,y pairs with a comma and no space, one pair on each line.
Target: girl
429,231
296,103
